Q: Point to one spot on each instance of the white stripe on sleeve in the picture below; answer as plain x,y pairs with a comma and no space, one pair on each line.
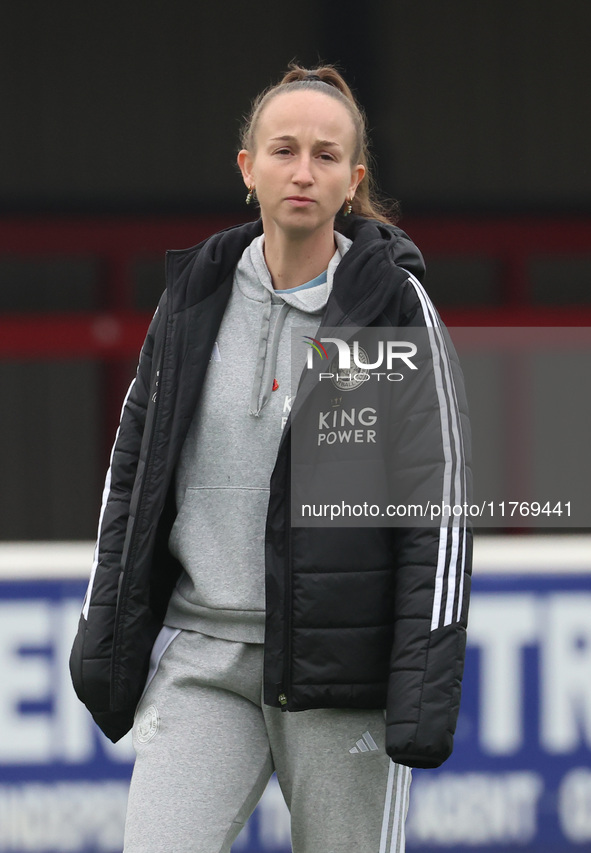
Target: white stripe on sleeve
454,477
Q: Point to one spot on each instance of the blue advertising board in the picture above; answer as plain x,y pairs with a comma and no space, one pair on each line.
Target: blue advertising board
520,774
519,778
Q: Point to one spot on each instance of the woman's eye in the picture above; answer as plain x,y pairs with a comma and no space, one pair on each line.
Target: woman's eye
283,151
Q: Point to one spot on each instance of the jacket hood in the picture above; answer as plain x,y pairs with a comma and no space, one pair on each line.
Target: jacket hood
378,251
377,264
389,238
198,271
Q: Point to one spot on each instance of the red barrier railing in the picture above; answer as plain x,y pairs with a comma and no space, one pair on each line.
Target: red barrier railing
114,334
117,330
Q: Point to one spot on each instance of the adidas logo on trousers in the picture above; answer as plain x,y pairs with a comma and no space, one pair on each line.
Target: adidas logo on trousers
365,744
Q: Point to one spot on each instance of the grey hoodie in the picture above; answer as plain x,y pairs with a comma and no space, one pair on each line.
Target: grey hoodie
223,474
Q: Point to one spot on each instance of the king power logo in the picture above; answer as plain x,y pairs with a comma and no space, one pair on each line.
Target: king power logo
393,350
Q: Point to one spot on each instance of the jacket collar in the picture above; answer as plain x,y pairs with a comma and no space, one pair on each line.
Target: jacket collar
370,273
194,274
365,280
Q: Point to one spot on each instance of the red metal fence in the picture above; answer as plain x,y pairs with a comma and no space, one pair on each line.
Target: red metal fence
117,330
113,335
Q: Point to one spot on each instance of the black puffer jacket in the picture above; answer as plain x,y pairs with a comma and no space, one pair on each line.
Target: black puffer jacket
369,617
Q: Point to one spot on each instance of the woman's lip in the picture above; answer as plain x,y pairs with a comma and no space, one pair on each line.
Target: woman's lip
298,199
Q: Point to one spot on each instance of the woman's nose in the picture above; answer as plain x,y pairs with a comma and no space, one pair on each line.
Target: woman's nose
303,172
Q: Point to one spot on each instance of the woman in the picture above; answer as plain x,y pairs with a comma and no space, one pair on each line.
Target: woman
241,618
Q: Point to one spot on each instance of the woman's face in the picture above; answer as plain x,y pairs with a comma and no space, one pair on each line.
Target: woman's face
302,164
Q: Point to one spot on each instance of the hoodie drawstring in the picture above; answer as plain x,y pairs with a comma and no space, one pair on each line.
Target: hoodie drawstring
264,374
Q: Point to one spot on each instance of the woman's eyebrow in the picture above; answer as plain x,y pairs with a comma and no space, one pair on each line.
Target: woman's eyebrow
319,143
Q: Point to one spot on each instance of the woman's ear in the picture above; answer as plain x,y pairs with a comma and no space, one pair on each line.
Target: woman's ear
357,175
245,163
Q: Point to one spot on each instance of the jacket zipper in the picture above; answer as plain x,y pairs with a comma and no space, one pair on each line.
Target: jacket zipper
285,687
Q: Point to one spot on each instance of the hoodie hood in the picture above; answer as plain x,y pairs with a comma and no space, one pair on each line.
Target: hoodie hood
253,280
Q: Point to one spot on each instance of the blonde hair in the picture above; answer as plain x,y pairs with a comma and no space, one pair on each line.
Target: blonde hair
328,80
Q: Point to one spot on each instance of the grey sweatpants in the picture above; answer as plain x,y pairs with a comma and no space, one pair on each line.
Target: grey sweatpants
206,747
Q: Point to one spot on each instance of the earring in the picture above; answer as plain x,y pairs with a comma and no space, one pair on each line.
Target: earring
348,206
250,195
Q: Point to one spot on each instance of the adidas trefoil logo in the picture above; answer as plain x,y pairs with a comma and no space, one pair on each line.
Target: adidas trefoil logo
365,744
